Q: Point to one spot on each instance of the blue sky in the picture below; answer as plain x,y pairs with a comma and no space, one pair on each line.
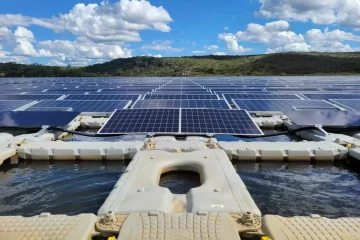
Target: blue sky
86,32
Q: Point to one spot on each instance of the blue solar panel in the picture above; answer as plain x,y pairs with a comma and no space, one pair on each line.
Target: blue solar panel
143,121
292,89
325,96
107,97
29,97
179,96
81,106
351,104
230,96
10,105
159,103
179,92
36,119
281,105
193,121
218,122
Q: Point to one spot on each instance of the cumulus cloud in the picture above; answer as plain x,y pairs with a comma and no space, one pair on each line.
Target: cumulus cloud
101,30
276,34
232,43
120,21
331,41
161,46
278,37
343,12
211,47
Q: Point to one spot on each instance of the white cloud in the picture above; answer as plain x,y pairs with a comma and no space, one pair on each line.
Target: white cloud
277,37
219,53
198,52
232,43
101,31
82,49
119,22
151,55
343,12
161,46
276,34
22,33
226,28
211,47
331,41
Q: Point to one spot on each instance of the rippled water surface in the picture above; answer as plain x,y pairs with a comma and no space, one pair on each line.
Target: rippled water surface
302,189
67,188
62,188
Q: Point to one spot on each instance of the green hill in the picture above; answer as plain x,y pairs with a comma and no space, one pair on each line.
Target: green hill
270,64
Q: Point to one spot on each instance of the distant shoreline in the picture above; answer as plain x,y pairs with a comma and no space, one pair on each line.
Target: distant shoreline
279,64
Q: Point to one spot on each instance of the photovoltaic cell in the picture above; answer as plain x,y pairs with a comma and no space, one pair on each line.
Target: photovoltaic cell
326,96
218,122
179,92
179,96
10,105
105,97
281,105
156,103
143,121
29,97
230,96
36,119
82,106
351,104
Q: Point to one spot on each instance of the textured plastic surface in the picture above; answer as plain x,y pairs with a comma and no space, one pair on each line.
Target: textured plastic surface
6,153
174,146
311,228
284,150
79,150
181,226
46,227
222,190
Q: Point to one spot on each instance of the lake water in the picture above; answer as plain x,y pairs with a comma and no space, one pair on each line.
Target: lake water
31,188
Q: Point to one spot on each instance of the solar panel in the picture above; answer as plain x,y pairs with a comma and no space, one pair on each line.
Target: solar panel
326,96
281,105
82,106
179,96
179,92
325,118
143,121
218,122
29,97
107,97
10,105
230,96
351,104
292,89
36,119
159,103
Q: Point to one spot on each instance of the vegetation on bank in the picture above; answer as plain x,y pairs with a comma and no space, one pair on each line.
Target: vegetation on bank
256,65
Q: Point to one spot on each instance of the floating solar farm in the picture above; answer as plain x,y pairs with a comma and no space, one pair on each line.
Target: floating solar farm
204,105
